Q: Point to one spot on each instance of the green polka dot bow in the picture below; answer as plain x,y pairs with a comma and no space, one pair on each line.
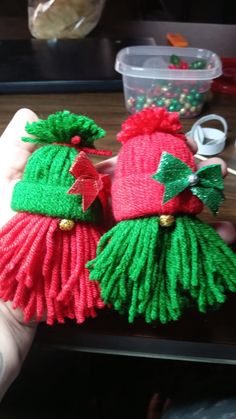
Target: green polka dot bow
206,183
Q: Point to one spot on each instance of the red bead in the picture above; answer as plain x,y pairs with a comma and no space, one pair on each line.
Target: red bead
184,65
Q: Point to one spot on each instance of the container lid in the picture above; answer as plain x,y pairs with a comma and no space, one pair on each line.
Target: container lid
152,62
227,82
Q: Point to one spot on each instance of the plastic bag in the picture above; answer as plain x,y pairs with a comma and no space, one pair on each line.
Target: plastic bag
63,18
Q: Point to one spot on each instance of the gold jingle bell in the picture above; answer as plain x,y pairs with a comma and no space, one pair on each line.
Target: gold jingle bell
167,220
66,225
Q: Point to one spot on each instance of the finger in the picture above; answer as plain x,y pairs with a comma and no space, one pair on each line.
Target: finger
226,230
214,160
16,128
107,166
192,145
14,153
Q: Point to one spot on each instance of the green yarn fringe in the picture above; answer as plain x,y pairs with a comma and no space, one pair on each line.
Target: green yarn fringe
61,127
153,271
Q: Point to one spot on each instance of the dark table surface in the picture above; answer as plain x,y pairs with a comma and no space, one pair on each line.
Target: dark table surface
210,337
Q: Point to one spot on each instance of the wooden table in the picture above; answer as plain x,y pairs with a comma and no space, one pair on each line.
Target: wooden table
109,111
211,337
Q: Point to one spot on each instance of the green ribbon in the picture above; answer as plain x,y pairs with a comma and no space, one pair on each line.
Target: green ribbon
206,183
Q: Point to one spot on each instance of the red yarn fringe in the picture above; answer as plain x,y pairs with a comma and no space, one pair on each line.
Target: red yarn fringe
148,121
43,268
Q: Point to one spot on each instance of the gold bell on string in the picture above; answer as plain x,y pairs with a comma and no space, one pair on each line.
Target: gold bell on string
66,225
167,220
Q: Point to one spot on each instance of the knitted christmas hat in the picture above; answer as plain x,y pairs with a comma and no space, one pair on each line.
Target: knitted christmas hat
145,136
160,257
44,248
47,178
45,185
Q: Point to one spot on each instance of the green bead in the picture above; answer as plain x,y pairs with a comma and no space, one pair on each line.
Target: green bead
140,99
195,102
139,106
199,96
190,98
171,108
193,65
202,64
178,107
174,59
160,102
155,99
198,65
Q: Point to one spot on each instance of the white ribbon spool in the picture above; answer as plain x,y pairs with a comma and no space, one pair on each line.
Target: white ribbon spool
210,141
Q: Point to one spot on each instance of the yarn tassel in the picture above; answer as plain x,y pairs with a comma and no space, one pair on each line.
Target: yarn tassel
43,268
154,271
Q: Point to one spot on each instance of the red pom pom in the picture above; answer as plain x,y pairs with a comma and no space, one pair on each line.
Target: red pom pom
148,121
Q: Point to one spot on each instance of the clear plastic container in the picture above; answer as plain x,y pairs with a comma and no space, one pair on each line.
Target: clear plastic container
178,79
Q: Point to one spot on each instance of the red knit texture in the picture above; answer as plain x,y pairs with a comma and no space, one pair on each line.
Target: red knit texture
43,268
145,136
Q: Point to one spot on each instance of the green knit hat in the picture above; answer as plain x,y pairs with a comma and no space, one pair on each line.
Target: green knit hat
46,180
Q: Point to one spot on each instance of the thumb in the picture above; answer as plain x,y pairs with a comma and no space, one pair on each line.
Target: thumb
14,153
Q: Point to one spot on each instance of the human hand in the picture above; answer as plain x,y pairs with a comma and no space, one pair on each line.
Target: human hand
15,336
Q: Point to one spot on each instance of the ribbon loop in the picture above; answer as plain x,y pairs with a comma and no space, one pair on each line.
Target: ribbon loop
89,182
177,176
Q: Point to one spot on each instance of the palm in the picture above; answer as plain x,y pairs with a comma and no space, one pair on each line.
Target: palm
15,337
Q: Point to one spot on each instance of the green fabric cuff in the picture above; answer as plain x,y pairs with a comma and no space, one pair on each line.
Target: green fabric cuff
53,201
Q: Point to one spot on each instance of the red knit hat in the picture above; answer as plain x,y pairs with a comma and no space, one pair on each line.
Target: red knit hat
145,136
